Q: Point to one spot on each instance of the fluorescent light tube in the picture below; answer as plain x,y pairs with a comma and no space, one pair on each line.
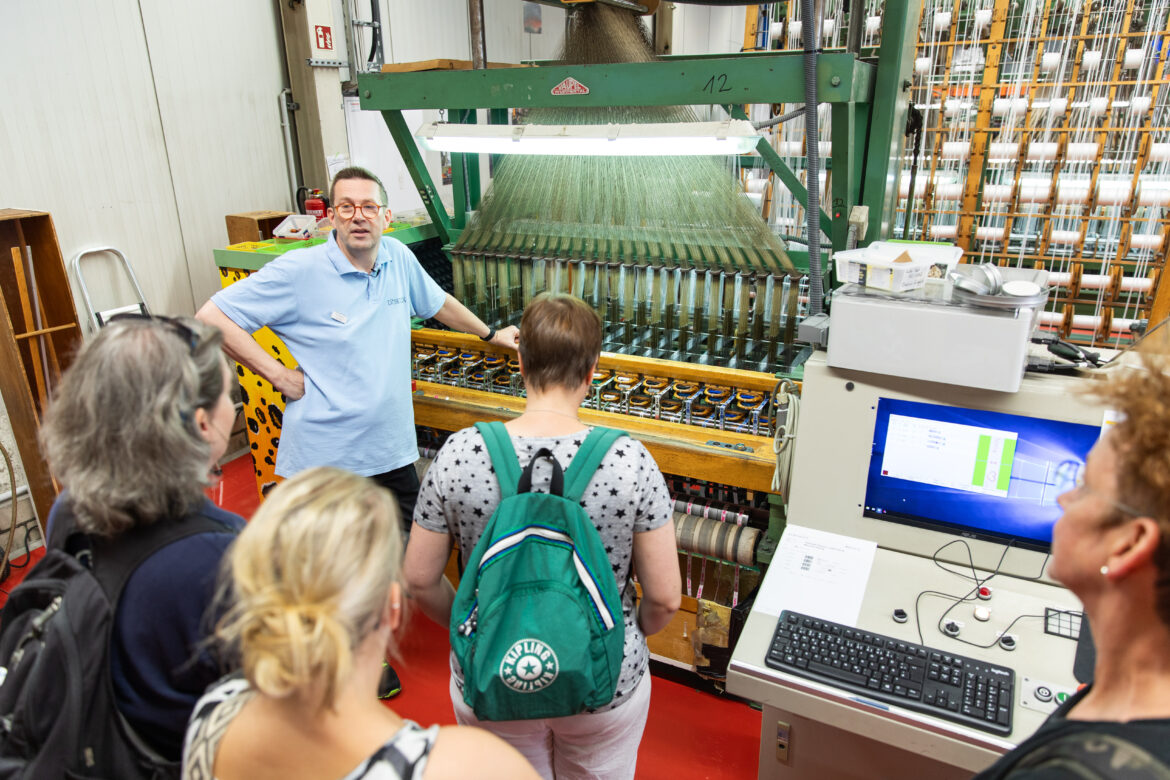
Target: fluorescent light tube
732,136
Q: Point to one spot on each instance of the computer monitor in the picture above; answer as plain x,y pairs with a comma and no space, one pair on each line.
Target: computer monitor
975,473
843,440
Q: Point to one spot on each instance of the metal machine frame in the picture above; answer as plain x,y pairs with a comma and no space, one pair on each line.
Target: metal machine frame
869,102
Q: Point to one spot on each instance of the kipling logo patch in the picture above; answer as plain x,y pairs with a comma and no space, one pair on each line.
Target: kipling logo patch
529,666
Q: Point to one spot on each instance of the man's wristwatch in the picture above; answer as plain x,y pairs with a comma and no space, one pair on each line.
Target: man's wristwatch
490,335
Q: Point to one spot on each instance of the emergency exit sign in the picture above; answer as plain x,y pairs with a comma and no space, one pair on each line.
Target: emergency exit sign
324,36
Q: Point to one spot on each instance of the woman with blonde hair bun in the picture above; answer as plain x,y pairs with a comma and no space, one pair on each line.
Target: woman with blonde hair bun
312,603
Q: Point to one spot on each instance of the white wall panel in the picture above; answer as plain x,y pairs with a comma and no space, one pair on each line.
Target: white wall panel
438,29
708,30
425,31
84,137
218,73
506,39
80,137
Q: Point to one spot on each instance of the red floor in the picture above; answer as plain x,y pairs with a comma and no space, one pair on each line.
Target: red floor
690,734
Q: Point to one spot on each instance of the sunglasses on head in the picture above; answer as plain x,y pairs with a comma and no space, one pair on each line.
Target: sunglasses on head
189,337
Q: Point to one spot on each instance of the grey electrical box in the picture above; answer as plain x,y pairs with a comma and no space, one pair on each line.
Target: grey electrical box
814,330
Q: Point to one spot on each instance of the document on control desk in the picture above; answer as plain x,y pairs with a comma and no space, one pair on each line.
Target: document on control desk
817,573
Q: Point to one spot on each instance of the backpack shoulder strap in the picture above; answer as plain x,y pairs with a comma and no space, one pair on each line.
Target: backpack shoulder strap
503,456
587,459
1097,754
115,560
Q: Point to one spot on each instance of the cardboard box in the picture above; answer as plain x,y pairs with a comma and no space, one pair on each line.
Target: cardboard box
252,225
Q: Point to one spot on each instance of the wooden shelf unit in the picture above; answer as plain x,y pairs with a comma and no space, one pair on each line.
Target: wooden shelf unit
40,335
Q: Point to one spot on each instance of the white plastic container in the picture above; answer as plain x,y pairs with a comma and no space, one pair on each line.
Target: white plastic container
898,267
296,226
890,274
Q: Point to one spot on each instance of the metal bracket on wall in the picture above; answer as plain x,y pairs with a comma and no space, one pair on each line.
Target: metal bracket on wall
312,63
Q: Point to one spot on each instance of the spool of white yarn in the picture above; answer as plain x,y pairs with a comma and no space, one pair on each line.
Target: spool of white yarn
790,149
919,186
1145,241
1135,284
1065,236
1113,193
922,65
1132,59
997,193
1007,106
1050,61
1098,106
1035,190
989,233
756,185
828,27
1076,191
951,190
1090,60
1153,193
982,18
1003,150
1082,151
1042,150
956,150
873,24
942,20
944,231
1160,152
952,106
1057,106
794,30
775,31
757,198
1139,104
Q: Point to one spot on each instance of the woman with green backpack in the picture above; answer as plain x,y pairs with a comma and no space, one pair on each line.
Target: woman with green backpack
553,519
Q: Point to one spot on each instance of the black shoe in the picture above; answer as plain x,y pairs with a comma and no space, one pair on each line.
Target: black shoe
390,686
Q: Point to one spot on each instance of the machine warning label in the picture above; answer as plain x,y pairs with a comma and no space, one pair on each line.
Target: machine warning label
570,86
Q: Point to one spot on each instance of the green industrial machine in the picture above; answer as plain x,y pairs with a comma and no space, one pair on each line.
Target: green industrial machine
868,95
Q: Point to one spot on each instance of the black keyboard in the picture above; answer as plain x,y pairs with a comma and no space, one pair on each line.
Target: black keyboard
960,689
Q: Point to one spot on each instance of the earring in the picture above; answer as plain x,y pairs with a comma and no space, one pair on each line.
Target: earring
1104,571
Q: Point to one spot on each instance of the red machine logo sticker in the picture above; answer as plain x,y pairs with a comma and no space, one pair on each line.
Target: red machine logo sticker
570,86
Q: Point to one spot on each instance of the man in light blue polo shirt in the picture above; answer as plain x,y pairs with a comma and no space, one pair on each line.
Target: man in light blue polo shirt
343,309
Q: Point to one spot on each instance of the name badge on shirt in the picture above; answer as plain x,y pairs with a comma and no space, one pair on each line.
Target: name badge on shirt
339,317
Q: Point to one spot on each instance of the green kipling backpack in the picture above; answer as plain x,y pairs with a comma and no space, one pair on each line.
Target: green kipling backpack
537,621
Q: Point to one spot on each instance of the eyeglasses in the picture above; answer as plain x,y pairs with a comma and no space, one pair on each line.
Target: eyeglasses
189,337
347,210
1081,487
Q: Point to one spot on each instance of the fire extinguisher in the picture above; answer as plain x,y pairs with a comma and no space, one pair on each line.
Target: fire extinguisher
315,204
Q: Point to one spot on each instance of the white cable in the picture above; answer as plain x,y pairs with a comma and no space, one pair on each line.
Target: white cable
782,441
